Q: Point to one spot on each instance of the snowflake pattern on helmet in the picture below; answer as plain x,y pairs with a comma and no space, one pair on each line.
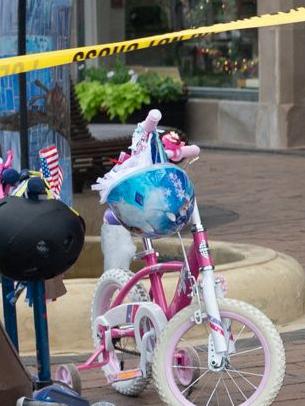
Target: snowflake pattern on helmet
153,202
180,193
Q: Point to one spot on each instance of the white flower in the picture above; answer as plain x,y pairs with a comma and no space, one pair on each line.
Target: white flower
110,74
131,72
134,78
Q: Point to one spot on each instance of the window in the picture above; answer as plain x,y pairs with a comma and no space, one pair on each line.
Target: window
224,60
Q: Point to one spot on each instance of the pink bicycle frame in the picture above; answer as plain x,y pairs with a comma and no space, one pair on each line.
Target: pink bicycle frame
199,261
198,258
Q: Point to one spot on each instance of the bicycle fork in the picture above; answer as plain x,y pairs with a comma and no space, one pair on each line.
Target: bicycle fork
219,336
220,330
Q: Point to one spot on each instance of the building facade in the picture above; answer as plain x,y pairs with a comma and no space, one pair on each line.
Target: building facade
245,87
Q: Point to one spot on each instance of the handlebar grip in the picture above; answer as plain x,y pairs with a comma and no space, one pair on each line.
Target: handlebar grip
152,120
188,151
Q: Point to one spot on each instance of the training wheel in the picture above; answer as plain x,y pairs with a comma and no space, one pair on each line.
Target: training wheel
187,364
69,375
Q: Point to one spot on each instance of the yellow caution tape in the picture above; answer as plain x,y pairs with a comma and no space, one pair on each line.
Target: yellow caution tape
26,63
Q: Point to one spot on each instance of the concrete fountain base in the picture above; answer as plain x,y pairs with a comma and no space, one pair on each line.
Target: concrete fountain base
271,281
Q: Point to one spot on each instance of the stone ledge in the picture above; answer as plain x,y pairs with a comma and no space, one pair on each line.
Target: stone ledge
271,281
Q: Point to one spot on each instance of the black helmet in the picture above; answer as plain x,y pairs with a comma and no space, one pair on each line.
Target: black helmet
38,239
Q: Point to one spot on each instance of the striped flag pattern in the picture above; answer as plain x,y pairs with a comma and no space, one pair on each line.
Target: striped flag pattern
51,171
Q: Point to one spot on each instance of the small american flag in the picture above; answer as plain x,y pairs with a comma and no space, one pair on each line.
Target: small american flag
51,171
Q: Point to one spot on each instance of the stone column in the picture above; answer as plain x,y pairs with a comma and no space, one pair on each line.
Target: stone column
104,22
90,22
281,115
111,26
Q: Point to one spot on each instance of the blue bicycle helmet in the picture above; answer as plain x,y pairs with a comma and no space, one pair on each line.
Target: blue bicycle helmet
153,202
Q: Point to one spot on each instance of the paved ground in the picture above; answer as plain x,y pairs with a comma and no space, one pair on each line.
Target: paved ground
266,190
292,393
265,194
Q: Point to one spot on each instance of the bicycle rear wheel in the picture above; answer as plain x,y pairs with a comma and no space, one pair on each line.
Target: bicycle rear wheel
251,374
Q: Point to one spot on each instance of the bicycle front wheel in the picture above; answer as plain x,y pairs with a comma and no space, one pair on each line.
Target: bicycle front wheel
252,370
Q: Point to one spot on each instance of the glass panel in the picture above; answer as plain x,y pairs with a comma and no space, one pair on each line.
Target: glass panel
48,90
224,60
9,89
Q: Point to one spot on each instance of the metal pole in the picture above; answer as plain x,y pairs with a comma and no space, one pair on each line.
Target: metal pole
7,284
9,311
41,332
22,86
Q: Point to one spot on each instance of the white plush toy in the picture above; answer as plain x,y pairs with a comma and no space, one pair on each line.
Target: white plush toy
117,246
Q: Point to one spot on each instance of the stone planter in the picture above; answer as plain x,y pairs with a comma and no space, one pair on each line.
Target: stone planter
279,279
173,115
271,281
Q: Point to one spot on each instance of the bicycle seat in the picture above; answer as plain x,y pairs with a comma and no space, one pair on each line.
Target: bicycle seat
153,202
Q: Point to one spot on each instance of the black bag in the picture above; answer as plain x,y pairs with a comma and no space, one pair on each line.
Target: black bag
38,239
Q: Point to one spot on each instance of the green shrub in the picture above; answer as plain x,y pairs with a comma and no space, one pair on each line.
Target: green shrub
91,96
123,99
96,74
118,100
118,74
119,92
161,88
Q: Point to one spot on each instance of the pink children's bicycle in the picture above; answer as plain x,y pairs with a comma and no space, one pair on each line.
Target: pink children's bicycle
200,348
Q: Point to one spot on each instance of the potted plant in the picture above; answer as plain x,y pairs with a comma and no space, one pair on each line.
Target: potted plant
120,96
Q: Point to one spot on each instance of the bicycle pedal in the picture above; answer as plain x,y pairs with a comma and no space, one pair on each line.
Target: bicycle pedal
127,375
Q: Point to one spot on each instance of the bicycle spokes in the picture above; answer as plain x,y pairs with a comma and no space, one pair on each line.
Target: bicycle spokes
188,370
